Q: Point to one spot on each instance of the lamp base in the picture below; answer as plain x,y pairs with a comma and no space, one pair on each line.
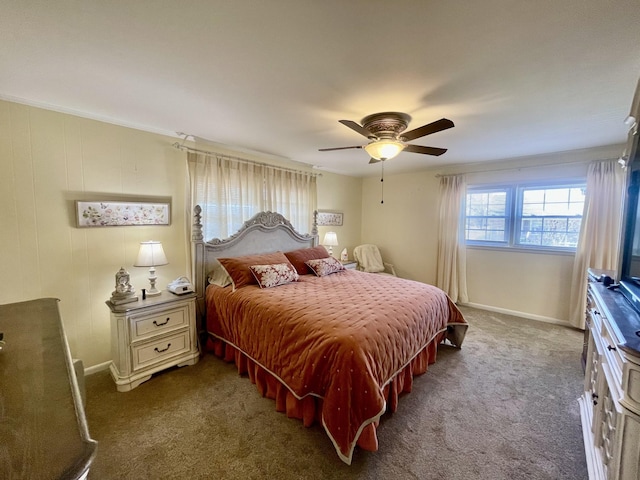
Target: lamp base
153,291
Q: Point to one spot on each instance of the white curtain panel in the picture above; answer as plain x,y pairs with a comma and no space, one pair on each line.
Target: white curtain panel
230,191
599,241
451,274
292,194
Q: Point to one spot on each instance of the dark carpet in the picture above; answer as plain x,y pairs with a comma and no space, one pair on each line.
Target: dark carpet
502,407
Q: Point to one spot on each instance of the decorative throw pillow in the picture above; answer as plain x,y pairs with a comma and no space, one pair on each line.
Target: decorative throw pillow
325,266
274,274
219,276
298,257
238,267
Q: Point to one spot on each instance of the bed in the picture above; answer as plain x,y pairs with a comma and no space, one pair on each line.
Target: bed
329,345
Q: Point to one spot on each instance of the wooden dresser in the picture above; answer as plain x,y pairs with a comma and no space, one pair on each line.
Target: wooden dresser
43,429
610,405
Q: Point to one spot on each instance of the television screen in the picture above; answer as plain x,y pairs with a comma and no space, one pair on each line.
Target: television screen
630,252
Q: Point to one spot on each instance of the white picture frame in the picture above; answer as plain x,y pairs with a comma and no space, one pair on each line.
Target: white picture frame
329,219
120,214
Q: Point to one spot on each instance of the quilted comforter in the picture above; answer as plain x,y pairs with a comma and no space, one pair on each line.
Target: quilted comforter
340,337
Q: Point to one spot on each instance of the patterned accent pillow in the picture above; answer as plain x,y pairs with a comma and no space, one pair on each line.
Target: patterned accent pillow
300,256
325,266
274,274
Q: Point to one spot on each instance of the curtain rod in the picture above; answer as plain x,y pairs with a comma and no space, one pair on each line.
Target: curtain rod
438,175
178,146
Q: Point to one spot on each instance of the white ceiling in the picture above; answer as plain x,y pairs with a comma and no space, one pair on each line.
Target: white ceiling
518,77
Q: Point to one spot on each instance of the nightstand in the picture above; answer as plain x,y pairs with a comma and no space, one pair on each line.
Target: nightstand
151,335
349,264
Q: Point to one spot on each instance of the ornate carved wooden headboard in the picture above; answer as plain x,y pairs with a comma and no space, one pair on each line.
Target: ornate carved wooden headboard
265,232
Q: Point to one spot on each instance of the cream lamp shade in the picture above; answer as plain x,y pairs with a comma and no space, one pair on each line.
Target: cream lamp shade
330,240
384,149
151,255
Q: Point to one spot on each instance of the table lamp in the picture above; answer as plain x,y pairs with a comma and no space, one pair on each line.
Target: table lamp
151,255
330,240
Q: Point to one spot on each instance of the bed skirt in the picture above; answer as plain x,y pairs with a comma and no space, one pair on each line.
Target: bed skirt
309,408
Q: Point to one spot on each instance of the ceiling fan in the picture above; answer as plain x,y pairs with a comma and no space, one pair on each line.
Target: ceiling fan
385,132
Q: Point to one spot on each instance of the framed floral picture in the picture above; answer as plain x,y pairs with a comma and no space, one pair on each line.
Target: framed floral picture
329,219
119,214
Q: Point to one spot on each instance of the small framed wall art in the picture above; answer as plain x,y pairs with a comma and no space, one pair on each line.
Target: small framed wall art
116,214
329,219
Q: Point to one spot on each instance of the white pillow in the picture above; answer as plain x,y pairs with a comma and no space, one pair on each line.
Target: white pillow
219,276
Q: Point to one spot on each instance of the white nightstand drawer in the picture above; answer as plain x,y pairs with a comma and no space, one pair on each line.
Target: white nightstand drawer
146,354
146,325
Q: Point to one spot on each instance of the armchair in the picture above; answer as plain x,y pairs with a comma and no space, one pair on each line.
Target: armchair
369,259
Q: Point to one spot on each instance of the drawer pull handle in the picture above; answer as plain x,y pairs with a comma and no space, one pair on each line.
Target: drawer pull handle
594,395
610,347
161,324
163,350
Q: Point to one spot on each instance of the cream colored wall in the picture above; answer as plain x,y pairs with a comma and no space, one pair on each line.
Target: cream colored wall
534,285
340,193
405,225
47,161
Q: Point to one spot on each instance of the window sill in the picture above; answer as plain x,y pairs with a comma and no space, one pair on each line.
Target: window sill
533,251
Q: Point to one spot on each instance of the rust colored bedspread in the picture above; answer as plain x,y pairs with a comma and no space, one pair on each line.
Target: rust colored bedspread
342,338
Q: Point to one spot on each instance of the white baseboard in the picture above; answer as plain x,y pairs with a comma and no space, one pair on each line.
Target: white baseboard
97,368
530,316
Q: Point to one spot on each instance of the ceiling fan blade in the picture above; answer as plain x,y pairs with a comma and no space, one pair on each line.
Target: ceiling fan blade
428,129
337,148
426,150
374,160
358,128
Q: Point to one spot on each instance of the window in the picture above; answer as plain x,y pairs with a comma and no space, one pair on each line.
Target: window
487,215
544,216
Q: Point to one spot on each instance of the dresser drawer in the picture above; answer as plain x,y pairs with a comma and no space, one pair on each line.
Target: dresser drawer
146,325
158,350
612,354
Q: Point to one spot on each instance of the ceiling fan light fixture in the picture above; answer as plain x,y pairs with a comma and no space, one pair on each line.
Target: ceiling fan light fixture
384,149
387,135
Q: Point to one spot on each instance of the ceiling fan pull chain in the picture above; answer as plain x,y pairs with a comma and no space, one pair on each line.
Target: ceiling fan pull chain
382,183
